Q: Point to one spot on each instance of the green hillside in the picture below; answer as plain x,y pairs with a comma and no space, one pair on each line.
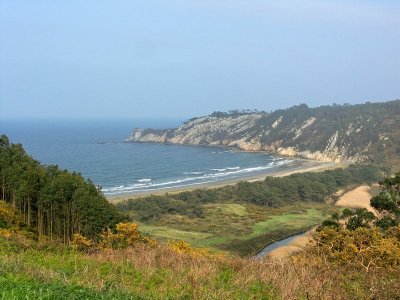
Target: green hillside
367,132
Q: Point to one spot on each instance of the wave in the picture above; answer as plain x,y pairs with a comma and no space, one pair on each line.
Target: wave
144,180
175,186
224,151
123,188
194,173
145,184
115,188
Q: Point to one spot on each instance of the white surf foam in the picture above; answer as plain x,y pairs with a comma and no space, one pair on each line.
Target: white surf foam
146,184
218,170
144,180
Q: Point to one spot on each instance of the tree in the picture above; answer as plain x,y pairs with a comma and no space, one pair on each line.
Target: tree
361,218
55,202
387,202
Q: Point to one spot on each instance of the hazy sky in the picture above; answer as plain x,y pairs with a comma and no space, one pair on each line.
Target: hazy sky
191,57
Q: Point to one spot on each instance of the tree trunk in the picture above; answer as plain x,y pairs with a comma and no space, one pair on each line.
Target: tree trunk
4,188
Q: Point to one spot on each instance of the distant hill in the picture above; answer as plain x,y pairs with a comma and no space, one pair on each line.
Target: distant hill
359,133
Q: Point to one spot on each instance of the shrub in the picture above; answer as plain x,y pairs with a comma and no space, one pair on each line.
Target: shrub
8,216
126,235
364,247
185,248
79,242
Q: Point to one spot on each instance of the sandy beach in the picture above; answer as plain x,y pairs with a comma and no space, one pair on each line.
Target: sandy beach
297,166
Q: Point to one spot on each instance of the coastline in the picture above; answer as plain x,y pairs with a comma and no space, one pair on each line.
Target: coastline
300,165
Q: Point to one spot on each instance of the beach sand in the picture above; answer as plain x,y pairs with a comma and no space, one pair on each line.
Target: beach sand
297,166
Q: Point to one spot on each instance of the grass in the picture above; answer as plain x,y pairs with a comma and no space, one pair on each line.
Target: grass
119,274
230,209
40,272
296,221
165,233
228,227
19,287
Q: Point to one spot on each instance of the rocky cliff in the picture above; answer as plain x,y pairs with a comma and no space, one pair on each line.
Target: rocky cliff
365,132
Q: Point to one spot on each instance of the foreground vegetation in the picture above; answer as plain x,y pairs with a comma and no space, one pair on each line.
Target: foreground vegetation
143,272
341,263
245,217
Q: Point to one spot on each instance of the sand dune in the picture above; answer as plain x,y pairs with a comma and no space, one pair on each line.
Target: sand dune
358,198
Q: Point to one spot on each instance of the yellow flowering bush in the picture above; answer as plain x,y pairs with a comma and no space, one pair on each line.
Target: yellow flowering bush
184,247
365,247
79,242
126,235
8,216
6,233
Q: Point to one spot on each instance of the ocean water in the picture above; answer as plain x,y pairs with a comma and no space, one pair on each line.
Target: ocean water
97,150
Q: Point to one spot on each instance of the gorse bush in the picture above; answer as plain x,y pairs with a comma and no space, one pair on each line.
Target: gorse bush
363,247
126,234
80,243
183,247
9,216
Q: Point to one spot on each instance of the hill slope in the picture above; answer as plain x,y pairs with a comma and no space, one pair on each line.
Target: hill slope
365,132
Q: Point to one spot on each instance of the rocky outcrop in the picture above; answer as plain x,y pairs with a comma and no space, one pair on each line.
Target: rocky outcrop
329,133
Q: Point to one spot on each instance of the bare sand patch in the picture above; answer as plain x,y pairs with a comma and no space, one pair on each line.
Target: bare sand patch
358,198
294,246
283,252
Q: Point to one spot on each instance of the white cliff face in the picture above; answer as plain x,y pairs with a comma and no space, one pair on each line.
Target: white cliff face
206,130
306,124
236,131
277,122
322,134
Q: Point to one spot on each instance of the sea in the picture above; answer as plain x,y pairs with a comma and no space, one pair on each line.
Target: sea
98,151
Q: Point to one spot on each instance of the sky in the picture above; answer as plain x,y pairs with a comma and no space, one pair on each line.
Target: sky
179,59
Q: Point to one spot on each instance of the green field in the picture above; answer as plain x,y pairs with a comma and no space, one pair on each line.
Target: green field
230,226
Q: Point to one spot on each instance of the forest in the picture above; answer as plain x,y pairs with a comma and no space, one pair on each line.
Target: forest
53,202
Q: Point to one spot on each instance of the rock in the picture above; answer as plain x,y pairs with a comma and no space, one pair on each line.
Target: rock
323,133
